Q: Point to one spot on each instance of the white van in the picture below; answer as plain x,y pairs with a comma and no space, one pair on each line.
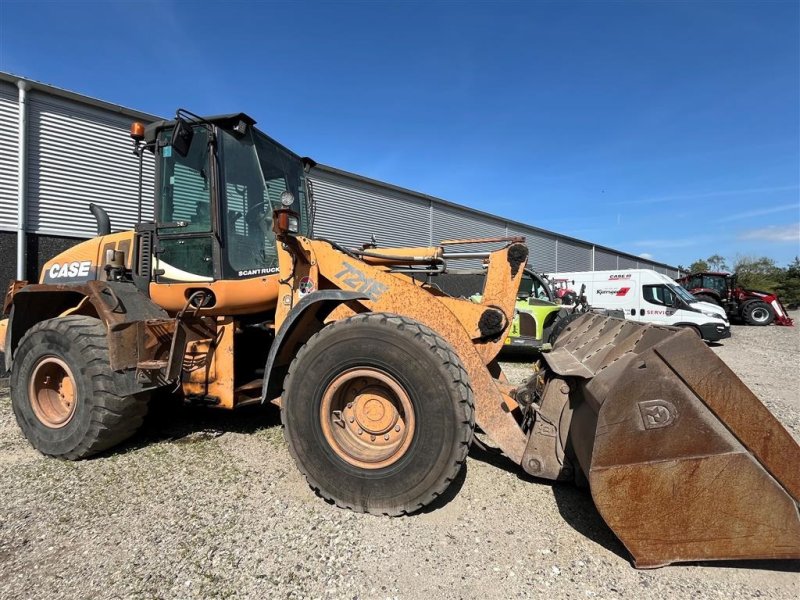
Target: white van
650,297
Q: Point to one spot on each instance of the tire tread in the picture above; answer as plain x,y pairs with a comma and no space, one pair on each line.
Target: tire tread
459,378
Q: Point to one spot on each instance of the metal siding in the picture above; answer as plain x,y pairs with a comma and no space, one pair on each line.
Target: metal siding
604,260
79,154
572,256
627,263
351,212
9,126
453,223
542,248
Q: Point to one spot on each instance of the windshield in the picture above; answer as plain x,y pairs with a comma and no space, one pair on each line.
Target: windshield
683,294
256,173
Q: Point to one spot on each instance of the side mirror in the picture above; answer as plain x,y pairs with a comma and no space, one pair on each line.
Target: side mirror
182,136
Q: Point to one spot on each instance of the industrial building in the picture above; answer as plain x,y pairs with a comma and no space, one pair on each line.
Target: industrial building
60,150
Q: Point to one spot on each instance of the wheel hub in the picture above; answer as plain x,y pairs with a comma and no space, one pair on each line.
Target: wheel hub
373,412
51,392
367,418
760,314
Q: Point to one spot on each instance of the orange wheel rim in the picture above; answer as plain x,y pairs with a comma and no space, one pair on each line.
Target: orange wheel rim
367,418
52,392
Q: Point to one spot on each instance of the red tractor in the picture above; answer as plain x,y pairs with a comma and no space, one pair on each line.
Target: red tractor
751,306
562,291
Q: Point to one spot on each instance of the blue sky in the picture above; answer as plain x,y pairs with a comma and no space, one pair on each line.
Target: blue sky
670,129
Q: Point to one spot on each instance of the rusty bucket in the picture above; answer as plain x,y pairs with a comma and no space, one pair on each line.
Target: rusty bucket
683,461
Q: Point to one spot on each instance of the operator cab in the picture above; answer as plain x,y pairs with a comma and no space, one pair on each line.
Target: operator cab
217,181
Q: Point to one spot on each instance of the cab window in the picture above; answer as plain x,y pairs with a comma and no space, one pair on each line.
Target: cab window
184,195
185,190
659,294
714,283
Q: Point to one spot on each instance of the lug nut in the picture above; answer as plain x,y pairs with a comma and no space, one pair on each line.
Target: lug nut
360,431
349,405
352,419
372,438
565,389
397,428
386,437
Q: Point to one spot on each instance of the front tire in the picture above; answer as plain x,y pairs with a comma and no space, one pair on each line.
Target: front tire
63,393
757,312
378,413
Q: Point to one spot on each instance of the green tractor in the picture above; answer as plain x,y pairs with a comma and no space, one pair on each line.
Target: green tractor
538,318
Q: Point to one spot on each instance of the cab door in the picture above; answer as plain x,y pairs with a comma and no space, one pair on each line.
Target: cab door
658,304
186,247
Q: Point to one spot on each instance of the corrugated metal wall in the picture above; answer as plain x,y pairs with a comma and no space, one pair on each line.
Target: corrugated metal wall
79,154
351,214
350,209
572,256
542,248
8,156
450,223
604,260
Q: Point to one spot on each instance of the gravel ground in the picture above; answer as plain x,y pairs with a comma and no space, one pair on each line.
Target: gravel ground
203,504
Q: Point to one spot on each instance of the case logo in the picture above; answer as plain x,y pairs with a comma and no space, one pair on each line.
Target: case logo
79,269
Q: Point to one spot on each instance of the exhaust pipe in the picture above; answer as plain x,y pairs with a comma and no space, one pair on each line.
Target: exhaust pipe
101,216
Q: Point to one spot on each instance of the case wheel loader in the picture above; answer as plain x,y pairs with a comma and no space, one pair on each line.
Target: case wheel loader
382,379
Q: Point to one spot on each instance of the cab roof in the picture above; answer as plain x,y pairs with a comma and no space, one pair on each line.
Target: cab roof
227,121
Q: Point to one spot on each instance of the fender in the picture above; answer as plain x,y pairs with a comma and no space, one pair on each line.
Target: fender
314,307
121,307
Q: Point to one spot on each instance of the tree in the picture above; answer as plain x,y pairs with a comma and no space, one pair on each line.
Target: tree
717,263
789,286
757,273
698,266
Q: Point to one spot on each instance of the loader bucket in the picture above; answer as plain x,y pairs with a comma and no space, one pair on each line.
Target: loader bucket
683,461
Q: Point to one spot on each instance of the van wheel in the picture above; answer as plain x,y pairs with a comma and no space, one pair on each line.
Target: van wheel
63,393
378,413
693,328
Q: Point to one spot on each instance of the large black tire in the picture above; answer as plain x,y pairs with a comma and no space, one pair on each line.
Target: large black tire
561,324
758,312
97,418
707,298
431,377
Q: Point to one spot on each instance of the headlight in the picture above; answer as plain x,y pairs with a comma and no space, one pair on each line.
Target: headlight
712,314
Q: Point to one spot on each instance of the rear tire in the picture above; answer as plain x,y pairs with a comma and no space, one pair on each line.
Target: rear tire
758,312
63,393
378,413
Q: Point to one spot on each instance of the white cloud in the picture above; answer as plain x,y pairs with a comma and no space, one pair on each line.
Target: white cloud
773,233
646,255
795,206
712,194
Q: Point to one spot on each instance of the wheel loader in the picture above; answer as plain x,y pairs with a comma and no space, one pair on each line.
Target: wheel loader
382,380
